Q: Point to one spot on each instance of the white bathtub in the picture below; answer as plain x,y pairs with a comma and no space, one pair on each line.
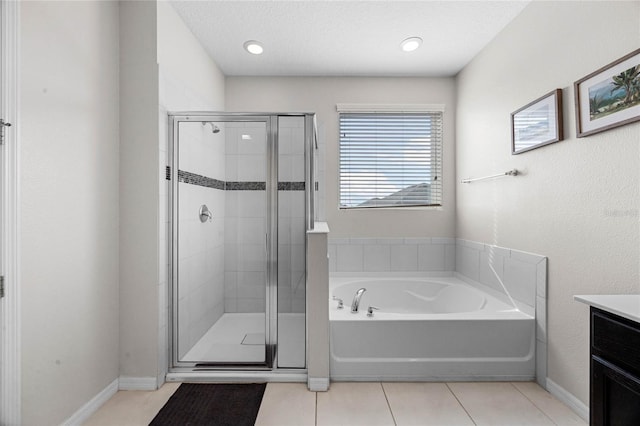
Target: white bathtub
427,329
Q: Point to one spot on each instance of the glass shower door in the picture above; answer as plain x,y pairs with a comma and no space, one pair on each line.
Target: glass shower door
221,259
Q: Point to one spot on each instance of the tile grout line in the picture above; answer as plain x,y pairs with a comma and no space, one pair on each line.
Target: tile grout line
533,403
388,404
461,404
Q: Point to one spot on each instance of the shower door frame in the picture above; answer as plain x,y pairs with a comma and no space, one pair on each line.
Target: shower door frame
271,243
271,228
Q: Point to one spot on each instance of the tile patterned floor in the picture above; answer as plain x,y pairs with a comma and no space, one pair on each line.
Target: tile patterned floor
372,403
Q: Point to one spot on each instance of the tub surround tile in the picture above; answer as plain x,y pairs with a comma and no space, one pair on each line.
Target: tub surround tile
541,278
498,404
443,240
416,255
431,257
470,244
541,363
557,411
468,262
363,241
526,257
497,251
377,258
353,404
404,257
450,257
390,241
286,404
417,241
338,241
332,253
520,279
350,258
425,404
492,271
541,319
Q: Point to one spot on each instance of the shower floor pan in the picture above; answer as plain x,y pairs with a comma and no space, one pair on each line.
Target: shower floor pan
239,338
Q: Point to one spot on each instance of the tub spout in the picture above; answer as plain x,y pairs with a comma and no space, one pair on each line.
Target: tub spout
356,300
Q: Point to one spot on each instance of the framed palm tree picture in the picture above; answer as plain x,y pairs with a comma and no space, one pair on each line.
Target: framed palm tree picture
609,97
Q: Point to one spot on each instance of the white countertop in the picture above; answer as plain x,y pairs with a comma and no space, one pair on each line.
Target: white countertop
624,305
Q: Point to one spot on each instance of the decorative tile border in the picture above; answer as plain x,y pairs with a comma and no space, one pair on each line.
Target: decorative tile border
291,186
200,180
245,186
195,179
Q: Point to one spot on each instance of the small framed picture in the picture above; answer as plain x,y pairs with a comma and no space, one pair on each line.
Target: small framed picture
609,97
537,124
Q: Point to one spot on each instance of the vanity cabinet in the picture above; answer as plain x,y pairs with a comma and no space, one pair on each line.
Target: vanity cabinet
615,370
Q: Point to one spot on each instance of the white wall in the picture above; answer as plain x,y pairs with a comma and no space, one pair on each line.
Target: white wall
139,198
181,56
320,95
189,80
577,201
69,205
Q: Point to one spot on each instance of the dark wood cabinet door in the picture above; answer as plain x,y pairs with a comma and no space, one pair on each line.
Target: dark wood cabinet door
615,395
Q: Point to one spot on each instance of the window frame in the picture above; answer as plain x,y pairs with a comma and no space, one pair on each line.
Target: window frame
391,109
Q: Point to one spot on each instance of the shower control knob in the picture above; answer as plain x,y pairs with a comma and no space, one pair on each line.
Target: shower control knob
205,214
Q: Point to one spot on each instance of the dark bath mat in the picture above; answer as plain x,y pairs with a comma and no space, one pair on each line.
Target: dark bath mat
212,404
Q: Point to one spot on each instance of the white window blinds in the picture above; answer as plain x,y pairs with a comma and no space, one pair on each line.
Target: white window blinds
390,159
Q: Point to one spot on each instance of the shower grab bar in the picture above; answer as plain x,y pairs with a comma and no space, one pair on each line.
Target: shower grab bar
513,172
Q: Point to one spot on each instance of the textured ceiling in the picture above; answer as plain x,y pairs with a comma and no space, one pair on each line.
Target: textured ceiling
345,38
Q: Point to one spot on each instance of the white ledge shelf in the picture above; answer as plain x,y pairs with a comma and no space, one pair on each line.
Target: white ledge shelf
624,305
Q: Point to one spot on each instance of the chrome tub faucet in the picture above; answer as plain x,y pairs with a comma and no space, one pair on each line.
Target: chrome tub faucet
356,300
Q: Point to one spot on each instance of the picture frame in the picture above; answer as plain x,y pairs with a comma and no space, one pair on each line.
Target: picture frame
538,123
609,97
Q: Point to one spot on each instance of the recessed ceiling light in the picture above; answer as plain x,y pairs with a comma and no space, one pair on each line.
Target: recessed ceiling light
410,44
253,47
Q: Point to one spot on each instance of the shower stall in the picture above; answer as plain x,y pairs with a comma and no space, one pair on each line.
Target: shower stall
241,200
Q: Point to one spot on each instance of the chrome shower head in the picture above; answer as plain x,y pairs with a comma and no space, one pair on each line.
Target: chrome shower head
214,128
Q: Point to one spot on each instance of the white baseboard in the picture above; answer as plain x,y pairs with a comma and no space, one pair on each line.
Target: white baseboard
138,383
568,398
93,405
318,384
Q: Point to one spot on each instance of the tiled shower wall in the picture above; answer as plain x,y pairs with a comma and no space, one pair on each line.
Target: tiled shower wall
201,251
245,255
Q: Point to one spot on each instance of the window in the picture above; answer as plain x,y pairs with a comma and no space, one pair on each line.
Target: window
390,159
